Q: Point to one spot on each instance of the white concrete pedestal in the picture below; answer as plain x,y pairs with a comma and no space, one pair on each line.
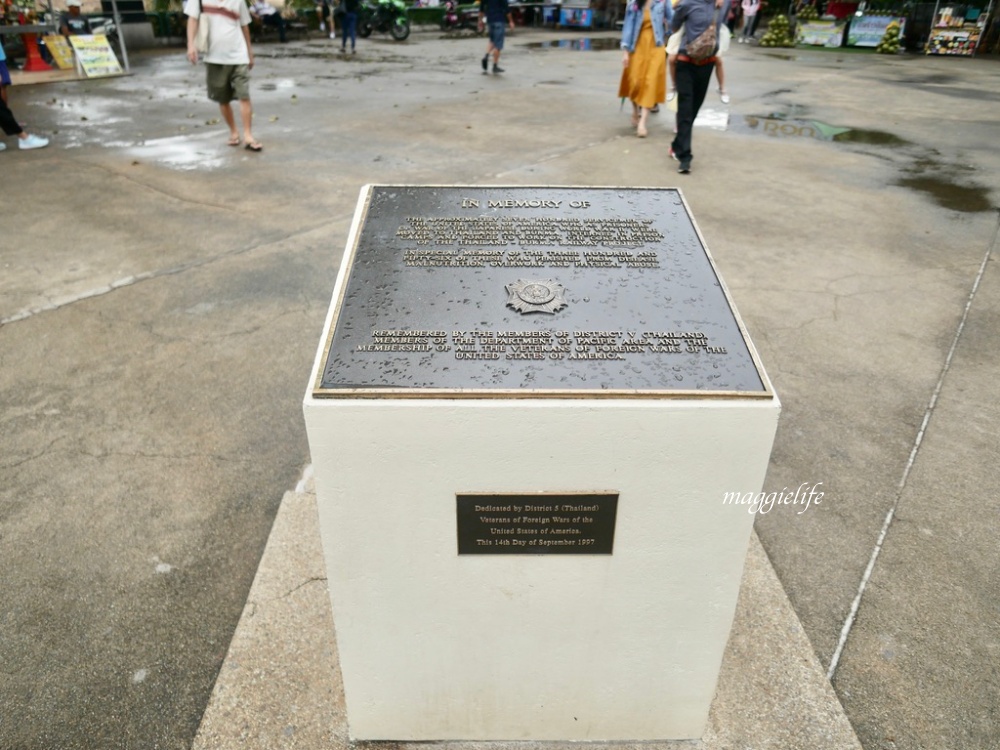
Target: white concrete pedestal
434,645
437,645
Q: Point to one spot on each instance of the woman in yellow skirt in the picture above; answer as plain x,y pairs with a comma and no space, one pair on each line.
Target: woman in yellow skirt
644,78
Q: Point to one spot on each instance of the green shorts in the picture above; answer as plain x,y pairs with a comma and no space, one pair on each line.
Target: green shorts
228,82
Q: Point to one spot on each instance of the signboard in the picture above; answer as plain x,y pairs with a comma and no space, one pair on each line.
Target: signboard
95,55
576,17
532,292
820,33
867,31
543,524
62,53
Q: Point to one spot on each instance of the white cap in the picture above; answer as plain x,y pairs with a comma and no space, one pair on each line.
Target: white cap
71,3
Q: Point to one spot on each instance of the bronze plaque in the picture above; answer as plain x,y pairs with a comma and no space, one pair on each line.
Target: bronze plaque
546,524
532,292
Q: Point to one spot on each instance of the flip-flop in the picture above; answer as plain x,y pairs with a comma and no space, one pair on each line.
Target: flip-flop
233,142
254,146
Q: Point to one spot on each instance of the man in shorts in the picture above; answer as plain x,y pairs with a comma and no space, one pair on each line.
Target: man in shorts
496,14
228,61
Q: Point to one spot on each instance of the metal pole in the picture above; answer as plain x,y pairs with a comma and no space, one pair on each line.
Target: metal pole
121,33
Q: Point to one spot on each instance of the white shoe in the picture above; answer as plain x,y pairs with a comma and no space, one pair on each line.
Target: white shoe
741,40
322,26
671,95
32,141
332,35
3,146
724,96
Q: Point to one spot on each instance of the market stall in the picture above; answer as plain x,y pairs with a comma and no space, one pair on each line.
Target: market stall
958,28
32,32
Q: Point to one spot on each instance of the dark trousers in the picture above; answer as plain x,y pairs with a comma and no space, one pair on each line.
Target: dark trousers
7,121
692,85
349,28
275,19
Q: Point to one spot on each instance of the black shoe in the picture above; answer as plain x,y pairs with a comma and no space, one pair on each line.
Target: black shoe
497,70
486,63
684,168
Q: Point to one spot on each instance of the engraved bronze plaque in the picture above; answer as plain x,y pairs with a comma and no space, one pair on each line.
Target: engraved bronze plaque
541,524
532,292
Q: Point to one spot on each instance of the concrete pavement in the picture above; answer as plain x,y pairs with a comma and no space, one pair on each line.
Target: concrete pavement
162,297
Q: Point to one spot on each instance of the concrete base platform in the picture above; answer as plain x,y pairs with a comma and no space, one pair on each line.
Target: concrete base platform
280,684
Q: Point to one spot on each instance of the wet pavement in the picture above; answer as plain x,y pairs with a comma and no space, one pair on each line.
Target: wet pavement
163,295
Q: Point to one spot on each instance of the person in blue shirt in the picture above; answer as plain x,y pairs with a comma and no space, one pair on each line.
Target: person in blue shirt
693,76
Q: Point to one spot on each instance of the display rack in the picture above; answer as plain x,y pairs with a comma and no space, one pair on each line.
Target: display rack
957,28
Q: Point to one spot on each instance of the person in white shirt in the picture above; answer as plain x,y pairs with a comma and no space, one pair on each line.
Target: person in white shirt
269,15
228,61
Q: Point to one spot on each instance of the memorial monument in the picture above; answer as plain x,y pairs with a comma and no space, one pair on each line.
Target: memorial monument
525,413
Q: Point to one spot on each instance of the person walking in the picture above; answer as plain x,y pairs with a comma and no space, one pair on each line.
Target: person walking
750,10
10,126
495,16
693,75
349,24
228,61
325,13
644,75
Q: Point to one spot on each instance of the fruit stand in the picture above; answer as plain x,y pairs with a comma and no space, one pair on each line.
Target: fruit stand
957,29
813,30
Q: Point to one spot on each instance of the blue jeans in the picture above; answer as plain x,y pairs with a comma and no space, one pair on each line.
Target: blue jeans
349,28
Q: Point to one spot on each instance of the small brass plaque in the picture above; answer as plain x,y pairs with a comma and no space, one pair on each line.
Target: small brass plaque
566,524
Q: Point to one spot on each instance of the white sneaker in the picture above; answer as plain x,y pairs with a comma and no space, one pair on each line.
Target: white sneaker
724,96
3,146
671,95
32,141
332,35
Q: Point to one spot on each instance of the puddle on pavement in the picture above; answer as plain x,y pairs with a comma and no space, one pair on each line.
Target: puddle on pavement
185,153
280,84
584,44
778,126
949,195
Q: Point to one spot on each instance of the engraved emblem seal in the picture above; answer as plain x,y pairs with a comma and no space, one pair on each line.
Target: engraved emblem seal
545,296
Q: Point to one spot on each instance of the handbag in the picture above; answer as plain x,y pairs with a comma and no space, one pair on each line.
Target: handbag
705,44
201,37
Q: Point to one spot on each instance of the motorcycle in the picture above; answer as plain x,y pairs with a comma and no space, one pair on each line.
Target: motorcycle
384,16
454,19
106,26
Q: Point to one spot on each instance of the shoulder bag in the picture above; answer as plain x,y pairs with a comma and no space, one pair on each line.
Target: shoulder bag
705,44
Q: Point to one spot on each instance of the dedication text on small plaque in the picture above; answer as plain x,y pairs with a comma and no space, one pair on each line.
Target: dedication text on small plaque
541,524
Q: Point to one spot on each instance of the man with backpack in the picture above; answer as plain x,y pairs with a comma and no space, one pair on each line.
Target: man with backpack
701,20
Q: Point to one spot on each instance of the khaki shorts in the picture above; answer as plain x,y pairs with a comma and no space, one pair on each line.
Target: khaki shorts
228,82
